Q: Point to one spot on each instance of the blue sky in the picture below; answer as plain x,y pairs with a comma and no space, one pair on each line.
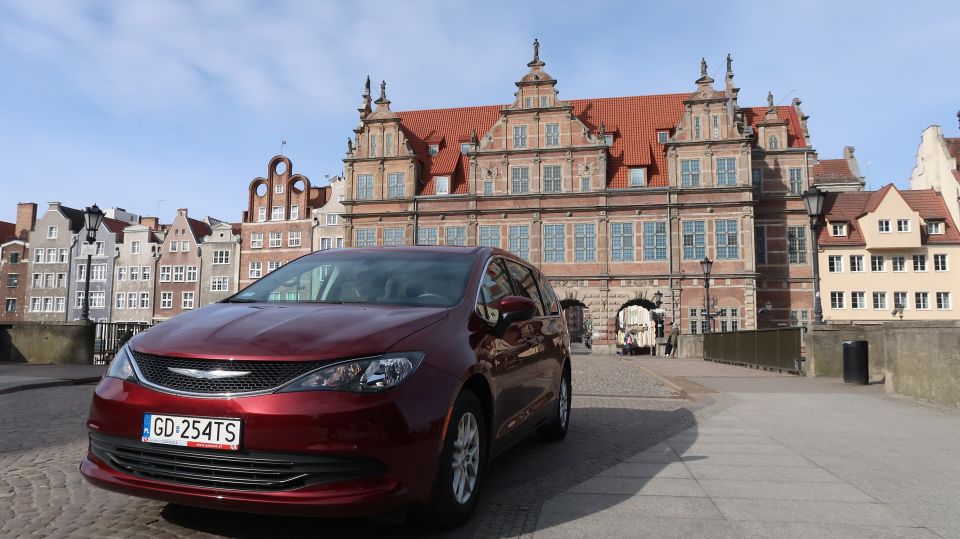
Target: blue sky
125,103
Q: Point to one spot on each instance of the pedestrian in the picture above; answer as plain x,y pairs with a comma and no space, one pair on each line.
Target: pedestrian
673,339
628,344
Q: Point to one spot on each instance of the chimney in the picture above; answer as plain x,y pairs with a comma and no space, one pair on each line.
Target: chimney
26,219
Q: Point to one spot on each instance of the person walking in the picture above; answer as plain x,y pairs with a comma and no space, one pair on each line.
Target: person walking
673,339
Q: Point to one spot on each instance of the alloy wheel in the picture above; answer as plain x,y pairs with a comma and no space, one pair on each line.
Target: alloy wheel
466,458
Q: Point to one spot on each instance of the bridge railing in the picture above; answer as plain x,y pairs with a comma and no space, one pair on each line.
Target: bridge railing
110,336
776,349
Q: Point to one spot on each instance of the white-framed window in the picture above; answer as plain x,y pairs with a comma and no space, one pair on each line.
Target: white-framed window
655,240
621,242
98,272
144,300
326,243
796,181
276,239
134,273
856,263
60,304
519,240
877,263
797,244
36,305
395,185
294,212
728,239
836,300
219,284
166,300
427,236
393,236
715,127
48,280
48,305
919,262
433,149
585,242
455,235
81,272
519,136
39,256
135,248
689,173
145,270
552,135
934,227
799,318
174,246
51,255
943,301
858,300
121,273
261,214
527,102
221,256
488,187
331,219
166,274
52,232
552,180
835,264
191,274
255,270
694,240
663,137
293,238
921,300
132,300
273,265
903,225
726,171
186,300
13,280
256,240
544,101
185,246
883,225
339,243
120,302
442,184
277,213
489,236
838,229
638,177
366,237
101,248
880,300
554,243
37,281
98,299
364,186
899,263
900,299
939,262
520,180
179,274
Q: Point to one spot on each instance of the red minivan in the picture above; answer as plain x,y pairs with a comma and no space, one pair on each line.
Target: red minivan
347,382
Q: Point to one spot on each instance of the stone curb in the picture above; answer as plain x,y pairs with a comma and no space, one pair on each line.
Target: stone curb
53,382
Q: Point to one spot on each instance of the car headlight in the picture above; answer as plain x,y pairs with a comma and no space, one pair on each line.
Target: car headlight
121,367
361,376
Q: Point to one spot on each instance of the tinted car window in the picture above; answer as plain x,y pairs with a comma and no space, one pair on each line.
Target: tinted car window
494,287
551,303
526,284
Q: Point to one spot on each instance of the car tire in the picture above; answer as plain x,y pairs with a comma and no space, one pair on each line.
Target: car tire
461,468
556,430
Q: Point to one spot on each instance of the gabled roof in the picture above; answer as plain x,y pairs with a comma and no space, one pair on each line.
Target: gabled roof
850,206
116,226
833,171
199,228
75,216
633,122
953,148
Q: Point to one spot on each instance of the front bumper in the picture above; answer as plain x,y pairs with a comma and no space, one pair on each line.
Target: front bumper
394,439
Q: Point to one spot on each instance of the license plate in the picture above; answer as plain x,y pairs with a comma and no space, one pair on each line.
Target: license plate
203,432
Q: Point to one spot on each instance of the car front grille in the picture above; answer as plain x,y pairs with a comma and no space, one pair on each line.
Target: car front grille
262,376
235,470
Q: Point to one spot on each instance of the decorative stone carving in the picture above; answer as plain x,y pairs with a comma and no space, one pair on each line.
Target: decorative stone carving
567,283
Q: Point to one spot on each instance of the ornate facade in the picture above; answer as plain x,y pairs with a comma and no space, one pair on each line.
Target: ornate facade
614,199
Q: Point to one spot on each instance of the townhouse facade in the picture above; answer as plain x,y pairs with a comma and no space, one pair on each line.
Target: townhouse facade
135,275
328,227
102,264
50,268
15,262
220,262
938,167
278,222
614,199
178,273
886,249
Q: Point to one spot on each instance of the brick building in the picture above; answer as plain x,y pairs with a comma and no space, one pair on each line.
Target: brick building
178,273
277,224
15,262
614,199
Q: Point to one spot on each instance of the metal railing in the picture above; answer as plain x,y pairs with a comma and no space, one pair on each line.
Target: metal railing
110,336
774,349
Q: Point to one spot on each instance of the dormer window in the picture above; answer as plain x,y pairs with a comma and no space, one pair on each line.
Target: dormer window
442,184
903,225
638,177
838,229
662,137
773,143
465,147
433,149
934,227
544,101
608,140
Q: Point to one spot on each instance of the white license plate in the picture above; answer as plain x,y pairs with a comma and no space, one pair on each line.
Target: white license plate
204,432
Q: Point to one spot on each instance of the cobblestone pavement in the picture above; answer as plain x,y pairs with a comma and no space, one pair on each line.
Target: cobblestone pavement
42,439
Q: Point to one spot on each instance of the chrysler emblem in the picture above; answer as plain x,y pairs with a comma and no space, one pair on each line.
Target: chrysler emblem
208,375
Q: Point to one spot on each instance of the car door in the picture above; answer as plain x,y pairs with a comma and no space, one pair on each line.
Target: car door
556,338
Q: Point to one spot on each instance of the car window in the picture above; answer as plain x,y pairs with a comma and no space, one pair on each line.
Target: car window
526,284
494,287
551,303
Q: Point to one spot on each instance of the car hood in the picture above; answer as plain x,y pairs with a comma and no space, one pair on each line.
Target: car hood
285,332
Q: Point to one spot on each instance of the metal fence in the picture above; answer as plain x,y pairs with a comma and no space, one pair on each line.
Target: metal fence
110,336
774,349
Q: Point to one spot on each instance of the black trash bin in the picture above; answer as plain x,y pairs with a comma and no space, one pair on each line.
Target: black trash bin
856,365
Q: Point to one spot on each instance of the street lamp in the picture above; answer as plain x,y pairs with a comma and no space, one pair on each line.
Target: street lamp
92,216
707,265
813,200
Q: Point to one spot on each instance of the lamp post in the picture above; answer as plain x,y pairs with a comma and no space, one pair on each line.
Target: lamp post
92,216
707,265
813,200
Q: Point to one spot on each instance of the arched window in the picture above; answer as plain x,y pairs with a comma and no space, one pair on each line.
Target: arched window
773,143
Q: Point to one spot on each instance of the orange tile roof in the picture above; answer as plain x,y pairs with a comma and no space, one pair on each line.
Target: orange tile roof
200,229
953,147
850,206
633,122
833,171
116,226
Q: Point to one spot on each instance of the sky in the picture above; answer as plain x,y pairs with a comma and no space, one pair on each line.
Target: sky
158,105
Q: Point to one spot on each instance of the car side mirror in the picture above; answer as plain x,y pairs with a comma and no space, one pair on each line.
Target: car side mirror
514,309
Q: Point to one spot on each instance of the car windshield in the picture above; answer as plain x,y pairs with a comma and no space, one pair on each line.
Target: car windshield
412,278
